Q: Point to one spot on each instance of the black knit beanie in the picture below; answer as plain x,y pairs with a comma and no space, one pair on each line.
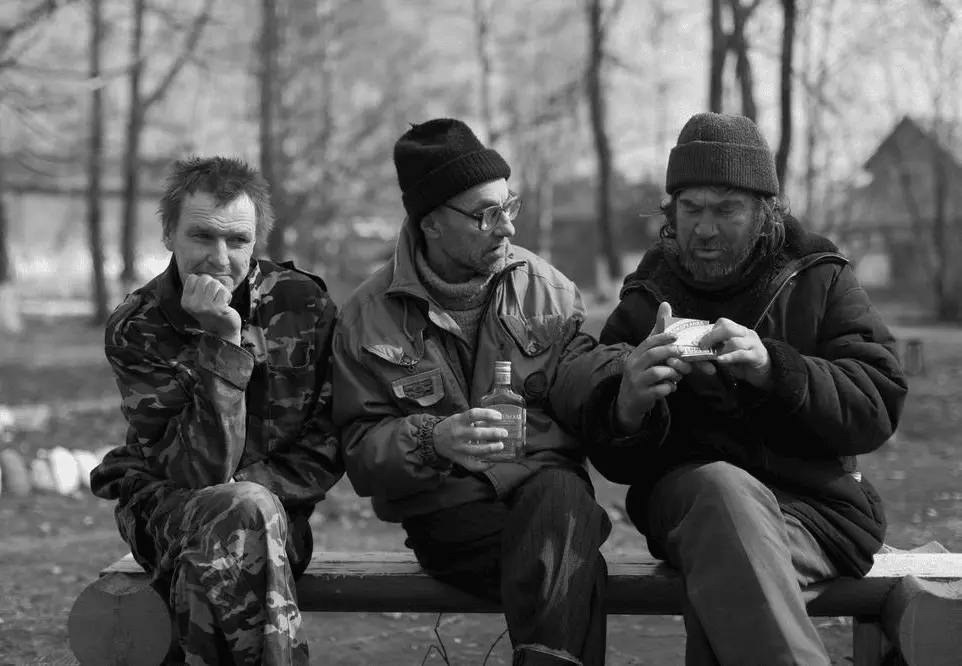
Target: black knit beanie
440,159
722,150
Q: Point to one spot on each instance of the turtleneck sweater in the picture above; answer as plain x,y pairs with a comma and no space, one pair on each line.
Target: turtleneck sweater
463,301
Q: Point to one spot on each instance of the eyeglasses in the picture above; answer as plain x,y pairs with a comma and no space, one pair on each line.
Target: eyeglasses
488,218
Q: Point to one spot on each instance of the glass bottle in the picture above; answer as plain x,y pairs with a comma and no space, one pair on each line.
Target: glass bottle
514,416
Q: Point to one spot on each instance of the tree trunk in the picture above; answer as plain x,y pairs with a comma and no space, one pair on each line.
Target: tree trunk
267,78
948,300
544,232
95,168
10,320
738,41
787,80
596,103
719,52
482,25
135,123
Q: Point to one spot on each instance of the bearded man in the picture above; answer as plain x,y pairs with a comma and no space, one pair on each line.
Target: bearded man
755,494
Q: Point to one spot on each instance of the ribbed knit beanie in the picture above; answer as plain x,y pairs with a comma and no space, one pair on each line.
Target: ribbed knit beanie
439,159
721,150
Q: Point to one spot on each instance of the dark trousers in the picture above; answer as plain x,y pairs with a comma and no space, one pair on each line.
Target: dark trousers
745,564
536,553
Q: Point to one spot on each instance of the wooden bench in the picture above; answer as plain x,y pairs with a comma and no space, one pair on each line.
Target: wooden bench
911,602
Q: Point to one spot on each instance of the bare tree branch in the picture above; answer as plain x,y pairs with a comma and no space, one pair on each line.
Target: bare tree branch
32,17
185,55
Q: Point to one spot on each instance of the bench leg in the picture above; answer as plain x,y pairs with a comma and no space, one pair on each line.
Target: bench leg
119,620
869,644
923,619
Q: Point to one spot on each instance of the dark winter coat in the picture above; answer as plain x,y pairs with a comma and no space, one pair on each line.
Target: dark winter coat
837,391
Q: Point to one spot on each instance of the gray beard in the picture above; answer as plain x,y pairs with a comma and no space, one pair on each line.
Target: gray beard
711,271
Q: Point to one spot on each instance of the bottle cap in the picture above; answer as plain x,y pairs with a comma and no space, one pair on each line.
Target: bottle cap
502,366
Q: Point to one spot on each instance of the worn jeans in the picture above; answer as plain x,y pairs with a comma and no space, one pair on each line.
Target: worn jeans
744,564
536,553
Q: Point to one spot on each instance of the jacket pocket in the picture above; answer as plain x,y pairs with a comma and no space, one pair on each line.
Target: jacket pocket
397,367
293,393
536,335
424,388
539,341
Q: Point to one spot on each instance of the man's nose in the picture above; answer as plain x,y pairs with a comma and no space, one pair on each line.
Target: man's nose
706,229
218,253
505,227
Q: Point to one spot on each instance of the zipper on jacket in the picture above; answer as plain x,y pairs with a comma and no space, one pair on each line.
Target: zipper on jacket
815,261
487,306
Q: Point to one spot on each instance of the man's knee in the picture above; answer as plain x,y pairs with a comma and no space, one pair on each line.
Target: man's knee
719,492
241,505
558,489
560,498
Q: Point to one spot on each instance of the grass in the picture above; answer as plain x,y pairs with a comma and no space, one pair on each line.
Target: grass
53,546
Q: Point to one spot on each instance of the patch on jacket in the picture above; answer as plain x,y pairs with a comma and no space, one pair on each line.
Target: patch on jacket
536,386
425,388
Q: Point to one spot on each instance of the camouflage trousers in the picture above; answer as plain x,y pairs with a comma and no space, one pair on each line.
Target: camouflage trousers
223,555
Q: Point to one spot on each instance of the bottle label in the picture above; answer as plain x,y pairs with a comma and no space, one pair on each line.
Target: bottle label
513,420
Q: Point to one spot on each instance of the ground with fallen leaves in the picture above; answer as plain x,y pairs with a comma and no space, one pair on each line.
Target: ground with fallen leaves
52,546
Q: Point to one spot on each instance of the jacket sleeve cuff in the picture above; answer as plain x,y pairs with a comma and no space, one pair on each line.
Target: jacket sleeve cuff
601,421
789,385
225,360
425,443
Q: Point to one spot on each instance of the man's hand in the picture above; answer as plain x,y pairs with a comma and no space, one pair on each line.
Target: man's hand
208,301
652,371
742,352
460,441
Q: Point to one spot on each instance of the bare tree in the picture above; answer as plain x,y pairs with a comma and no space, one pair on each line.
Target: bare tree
9,312
787,82
719,53
140,105
267,79
95,166
736,42
595,86
483,11
29,18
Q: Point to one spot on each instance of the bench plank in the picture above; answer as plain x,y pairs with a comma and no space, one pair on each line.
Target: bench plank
394,582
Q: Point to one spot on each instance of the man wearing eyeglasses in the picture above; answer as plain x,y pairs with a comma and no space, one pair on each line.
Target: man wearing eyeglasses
414,350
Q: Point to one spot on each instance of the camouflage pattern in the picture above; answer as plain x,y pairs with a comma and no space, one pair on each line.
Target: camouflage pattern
203,413
231,590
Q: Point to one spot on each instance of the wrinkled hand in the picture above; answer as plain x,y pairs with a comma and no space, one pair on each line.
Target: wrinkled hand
652,371
457,439
208,301
742,352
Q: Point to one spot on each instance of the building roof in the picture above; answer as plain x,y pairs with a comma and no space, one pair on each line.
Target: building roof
944,133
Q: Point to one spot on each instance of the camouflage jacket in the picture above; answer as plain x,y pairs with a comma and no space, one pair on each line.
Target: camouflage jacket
201,411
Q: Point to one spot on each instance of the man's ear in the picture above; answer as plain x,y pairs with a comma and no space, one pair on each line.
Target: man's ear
429,226
168,243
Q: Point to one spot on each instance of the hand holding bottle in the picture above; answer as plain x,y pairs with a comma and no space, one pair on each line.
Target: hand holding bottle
459,440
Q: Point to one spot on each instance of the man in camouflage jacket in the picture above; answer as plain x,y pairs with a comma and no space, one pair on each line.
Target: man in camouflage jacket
223,365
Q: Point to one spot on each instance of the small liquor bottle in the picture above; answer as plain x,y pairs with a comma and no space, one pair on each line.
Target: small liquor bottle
514,416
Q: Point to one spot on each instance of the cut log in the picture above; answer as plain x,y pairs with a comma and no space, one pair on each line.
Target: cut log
924,620
119,621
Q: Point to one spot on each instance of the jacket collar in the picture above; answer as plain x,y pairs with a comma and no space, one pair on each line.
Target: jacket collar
245,298
404,276
406,283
